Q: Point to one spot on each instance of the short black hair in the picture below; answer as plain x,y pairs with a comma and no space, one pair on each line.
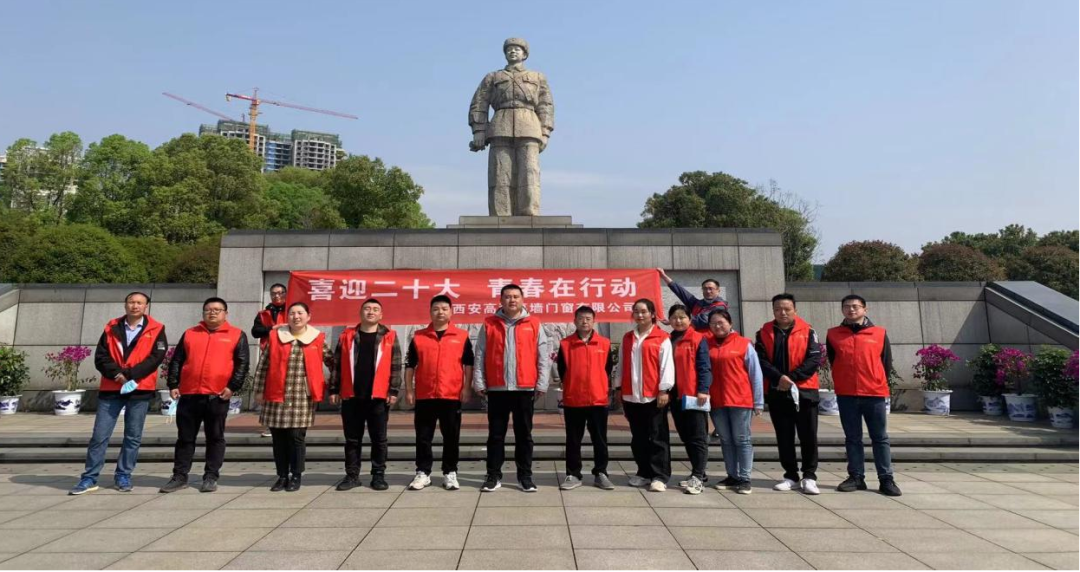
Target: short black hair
301,304
583,309
278,285
677,308
214,299
371,301
441,298
137,293
784,296
853,297
511,287
648,306
707,280
723,313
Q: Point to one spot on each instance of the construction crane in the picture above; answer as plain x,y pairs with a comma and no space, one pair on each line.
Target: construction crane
253,111
202,107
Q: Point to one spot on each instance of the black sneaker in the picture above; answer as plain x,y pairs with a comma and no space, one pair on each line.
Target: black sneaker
743,488
294,484
176,483
279,485
727,484
348,483
491,483
852,484
378,482
888,488
209,485
527,485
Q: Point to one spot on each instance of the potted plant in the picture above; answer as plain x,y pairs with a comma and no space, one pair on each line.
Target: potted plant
1011,370
985,381
1055,381
934,362
14,375
163,372
826,396
64,368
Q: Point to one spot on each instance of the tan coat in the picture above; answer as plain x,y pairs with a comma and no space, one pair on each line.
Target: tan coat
522,102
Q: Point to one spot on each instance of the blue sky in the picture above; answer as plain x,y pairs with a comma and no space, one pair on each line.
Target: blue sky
903,120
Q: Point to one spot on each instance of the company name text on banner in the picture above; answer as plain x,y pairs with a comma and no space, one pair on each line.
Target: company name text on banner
550,295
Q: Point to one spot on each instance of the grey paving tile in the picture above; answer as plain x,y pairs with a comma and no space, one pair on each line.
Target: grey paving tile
173,561
104,502
435,538
1028,540
673,498
187,501
912,540
629,537
529,537
190,539
438,499
325,560
1065,518
527,559
603,498
243,518
746,560
347,500
134,519
270,500
23,540
13,514
796,518
767,500
611,516
868,519
104,540
920,487
725,517
1020,502
1057,560
459,516
968,519
715,538
7,555
831,540
862,561
984,488
1071,500
402,560
62,561
510,515
306,539
944,502
50,519
857,500
944,476
1019,477
334,518
975,561
33,503
629,559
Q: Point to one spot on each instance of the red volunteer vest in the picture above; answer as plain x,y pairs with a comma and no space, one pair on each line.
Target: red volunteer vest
526,334
279,367
798,341
650,362
266,320
731,382
439,373
856,368
685,358
380,387
144,346
586,381
209,363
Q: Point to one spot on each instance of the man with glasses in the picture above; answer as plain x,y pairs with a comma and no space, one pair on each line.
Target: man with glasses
209,365
699,307
269,319
861,361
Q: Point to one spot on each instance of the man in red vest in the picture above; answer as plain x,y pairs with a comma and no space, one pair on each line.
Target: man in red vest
209,365
365,380
790,355
514,369
861,360
439,360
585,363
272,317
128,354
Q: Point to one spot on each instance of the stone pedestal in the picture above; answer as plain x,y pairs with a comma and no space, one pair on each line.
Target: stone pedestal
493,222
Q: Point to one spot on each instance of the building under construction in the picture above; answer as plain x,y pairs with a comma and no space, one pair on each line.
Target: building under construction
304,149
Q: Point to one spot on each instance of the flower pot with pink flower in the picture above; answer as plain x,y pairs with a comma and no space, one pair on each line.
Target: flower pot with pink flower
64,368
1055,373
1012,368
934,362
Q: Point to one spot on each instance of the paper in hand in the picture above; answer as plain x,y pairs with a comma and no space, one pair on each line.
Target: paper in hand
690,403
794,389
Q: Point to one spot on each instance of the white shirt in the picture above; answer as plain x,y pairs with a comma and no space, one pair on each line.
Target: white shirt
667,369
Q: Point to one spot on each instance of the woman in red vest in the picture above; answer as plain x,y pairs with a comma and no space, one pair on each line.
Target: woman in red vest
693,377
289,383
646,374
737,396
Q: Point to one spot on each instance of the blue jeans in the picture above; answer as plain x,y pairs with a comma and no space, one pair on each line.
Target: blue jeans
733,423
853,410
108,411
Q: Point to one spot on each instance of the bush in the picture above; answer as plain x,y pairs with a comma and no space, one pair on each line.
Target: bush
984,378
14,374
72,254
957,263
157,256
197,264
1052,385
870,261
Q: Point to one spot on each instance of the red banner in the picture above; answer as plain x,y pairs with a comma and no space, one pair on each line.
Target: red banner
550,295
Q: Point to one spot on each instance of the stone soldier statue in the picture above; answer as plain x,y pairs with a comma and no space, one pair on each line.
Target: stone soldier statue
524,119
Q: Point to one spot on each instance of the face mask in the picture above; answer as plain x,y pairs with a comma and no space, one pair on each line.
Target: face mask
171,411
128,387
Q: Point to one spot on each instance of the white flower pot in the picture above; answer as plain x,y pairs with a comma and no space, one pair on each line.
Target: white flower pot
558,400
992,405
9,404
1021,407
1063,417
166,400
937,402
888,405
67,402
235,403
827,403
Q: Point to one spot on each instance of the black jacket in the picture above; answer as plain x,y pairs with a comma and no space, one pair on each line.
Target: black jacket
241,364
773,369
258,330
107,367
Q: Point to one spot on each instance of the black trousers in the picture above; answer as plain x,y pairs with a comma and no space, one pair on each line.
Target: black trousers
194,411
290,450
693,429
357,413
649,440
787,423
502,405
447,413
577,419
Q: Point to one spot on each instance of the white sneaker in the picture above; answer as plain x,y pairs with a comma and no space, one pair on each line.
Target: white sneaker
419,481
693,486
785,485
809,487
450,482
657,486
639,482
570,483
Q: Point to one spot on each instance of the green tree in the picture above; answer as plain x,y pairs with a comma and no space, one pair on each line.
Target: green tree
954,262
74,253
109,191
198,263
16,227
155,254
370,195
870,261
1067,238
293,206
1055,267
719,200
21,175
1010,241
296,176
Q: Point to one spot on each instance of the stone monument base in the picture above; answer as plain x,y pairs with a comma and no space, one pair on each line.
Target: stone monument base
493,222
